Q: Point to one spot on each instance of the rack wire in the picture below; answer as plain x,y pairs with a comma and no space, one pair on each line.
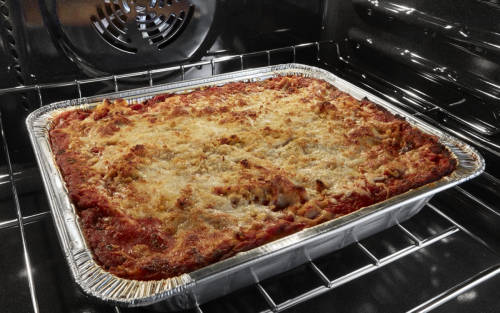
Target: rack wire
328,284
20,222
376,263
182,68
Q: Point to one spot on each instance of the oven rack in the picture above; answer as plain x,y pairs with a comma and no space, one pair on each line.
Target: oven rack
182,68
481,128
377,263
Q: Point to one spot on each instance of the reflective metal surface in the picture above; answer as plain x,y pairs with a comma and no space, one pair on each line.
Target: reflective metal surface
31,55
154,32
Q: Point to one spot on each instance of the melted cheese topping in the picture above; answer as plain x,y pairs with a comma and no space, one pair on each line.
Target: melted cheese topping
232,162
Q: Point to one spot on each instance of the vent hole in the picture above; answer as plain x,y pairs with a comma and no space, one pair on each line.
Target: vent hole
146,18
111,36
126,8
177,28
11,40
20,80
5,11
17,67
107,27
140,9
7,25
157,26
14,54
111,16
25,105
164,29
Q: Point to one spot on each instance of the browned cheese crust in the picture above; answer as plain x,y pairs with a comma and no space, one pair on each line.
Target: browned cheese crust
179,182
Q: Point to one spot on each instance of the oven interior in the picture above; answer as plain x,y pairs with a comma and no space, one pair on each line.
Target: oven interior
439,61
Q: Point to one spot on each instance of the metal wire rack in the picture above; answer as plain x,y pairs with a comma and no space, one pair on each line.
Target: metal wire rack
328,284
377,263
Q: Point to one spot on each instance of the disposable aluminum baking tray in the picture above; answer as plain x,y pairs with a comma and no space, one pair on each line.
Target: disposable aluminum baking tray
245,268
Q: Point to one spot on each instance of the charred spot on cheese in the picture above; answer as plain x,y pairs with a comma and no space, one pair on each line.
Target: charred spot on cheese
233,139
183,201
320,186
245,163
181,181
139,150
95,150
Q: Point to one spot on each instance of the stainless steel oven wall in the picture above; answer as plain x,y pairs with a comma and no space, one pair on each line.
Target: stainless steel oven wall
439,59
66,40
74,39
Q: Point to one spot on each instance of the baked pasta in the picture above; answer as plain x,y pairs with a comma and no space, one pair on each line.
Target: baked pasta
181,181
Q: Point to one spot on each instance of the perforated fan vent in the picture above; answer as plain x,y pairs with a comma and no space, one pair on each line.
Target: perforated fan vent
129,24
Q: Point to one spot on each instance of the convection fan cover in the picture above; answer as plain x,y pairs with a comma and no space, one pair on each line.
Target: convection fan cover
115,35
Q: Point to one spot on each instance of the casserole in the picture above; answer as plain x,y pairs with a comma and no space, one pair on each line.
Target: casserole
301,246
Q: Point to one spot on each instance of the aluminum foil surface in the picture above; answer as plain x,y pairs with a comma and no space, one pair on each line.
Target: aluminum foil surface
245,268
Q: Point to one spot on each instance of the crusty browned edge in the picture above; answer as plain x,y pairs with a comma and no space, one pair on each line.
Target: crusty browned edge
103,223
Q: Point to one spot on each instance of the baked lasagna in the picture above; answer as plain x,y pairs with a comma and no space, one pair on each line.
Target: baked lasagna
181,181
